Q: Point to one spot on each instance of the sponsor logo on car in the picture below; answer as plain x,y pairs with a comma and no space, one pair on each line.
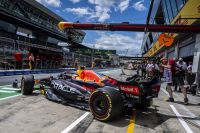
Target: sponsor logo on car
129,89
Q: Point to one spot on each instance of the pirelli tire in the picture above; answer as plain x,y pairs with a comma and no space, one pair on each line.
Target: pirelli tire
27,84
106,103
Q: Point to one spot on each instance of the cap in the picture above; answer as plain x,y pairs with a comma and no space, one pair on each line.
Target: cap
180,59
82,67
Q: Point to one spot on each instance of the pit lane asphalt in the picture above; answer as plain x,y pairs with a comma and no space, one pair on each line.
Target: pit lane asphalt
34,114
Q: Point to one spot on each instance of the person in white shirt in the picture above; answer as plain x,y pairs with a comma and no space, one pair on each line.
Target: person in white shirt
130,65
189,68
181,68
182,64
152,68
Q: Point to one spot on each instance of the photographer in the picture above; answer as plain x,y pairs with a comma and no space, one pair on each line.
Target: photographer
180,70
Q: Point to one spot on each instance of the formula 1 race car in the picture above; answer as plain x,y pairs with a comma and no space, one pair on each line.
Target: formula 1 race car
106,98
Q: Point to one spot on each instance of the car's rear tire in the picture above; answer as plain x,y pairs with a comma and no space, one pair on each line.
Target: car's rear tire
27,84
106,103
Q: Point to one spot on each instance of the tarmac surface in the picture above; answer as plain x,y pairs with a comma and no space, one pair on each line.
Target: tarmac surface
34,114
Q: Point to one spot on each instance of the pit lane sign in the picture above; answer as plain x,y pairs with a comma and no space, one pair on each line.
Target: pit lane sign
165,40
191,10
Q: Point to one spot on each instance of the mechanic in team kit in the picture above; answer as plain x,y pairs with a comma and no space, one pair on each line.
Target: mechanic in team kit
80,72
31,59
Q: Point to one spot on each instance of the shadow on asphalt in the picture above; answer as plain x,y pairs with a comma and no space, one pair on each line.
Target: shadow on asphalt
121,121
33,94
151,118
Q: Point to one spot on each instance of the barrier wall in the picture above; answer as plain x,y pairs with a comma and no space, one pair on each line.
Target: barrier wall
43,71
26,72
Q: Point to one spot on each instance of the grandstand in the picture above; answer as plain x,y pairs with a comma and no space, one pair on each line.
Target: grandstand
27,26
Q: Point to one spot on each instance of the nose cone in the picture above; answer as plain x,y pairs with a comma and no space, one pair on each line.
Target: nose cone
65,25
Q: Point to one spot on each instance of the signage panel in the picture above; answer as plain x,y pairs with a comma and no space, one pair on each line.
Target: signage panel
187,16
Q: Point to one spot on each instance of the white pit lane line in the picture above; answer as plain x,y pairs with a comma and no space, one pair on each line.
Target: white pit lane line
184,124
10,97
70,127
181,120
9,88
190,114
165,91
7,91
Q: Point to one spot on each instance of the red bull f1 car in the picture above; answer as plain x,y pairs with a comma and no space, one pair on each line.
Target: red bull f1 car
104,96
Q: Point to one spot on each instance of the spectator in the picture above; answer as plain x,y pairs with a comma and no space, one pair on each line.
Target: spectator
138,67
161,69
183,66
156,69
189,68
76,63
167,74
148,66
130,65
180,70
190,78
174,74
152,68
18,59
143,67
31,61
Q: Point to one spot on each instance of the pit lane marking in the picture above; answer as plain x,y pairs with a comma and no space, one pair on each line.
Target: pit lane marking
9,88
179,116
70,127
5,86
10,97
184,108
7,91
181,120
165,91
131,125
190,114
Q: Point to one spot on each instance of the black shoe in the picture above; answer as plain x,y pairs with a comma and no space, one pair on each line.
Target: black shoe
170,99
185,101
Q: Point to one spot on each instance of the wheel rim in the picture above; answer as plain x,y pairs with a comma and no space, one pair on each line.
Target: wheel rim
100,105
